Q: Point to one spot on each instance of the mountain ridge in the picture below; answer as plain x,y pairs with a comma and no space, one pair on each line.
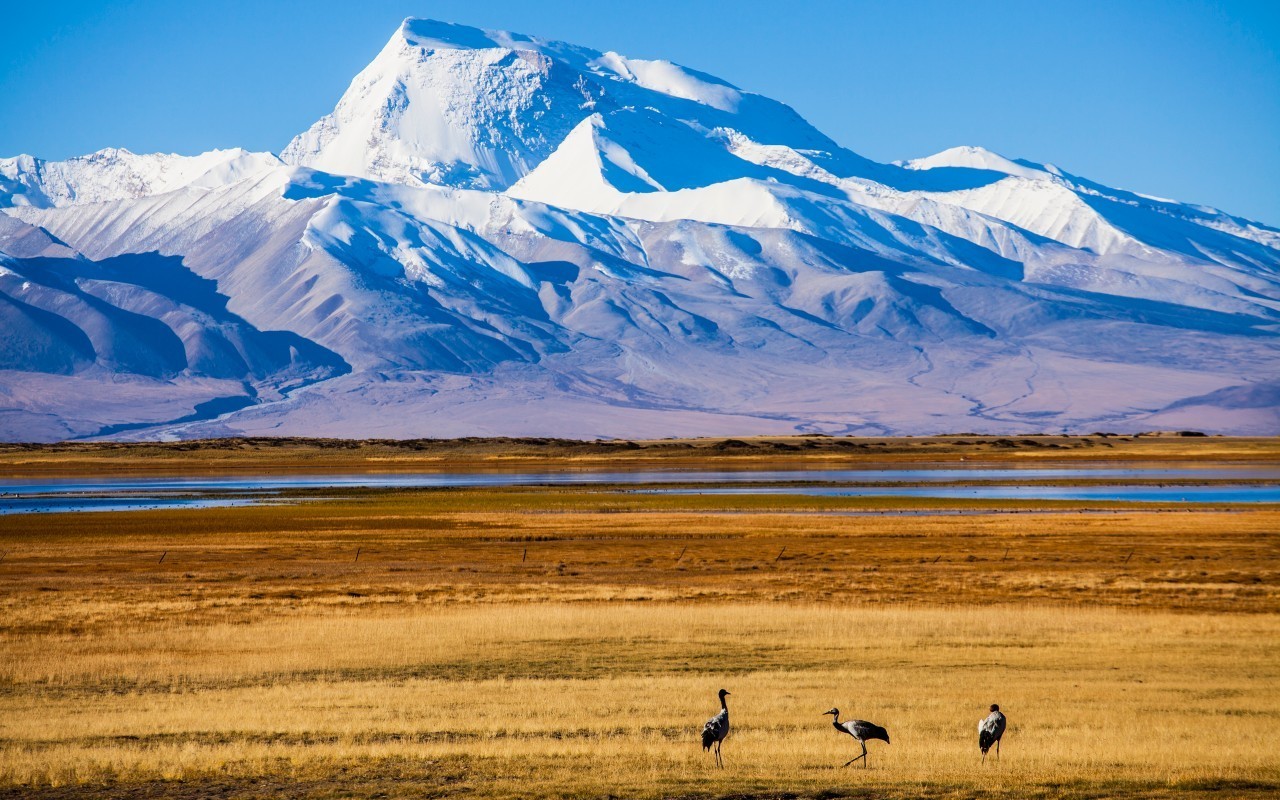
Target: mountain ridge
498,234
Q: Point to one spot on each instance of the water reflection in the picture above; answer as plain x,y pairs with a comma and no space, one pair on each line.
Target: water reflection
55,495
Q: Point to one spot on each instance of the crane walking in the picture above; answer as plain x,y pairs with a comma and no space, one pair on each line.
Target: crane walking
716,729
860,730
990,731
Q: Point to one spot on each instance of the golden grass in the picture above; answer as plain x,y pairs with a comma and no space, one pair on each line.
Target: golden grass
568,642
601,700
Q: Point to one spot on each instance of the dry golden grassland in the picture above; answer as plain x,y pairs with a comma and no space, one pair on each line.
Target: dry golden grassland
569,643
596,700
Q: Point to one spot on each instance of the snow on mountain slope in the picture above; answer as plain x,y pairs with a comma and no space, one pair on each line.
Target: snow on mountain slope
618,164
494,233
1082,213
348,275
117,174
1063,235
637,165
458,106
135,323
980,158
631,151
974,158
1049,209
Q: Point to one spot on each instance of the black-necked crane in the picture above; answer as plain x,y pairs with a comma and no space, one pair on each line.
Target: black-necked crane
860,730
716,729
990,731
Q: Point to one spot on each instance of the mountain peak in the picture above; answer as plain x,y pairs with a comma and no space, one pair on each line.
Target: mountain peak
431,34
656,75
461,106
452,105
971,157
438,34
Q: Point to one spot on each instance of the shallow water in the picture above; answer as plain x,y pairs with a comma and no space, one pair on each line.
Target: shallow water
240,483
56,504
1162,494
55,495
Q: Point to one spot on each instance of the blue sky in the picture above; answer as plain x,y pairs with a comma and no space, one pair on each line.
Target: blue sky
1177,98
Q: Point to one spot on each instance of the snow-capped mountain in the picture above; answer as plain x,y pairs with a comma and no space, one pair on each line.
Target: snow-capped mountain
497,234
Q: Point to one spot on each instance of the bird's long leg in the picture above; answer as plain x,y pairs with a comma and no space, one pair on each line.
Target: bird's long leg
863,756
984,756
997,749
719,761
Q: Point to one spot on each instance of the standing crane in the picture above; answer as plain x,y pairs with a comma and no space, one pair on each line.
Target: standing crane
860,730
716,729
990,731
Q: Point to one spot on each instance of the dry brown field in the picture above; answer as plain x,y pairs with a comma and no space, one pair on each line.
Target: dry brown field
329,455
568,642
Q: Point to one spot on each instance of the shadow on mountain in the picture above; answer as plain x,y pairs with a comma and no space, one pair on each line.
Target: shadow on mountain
143,314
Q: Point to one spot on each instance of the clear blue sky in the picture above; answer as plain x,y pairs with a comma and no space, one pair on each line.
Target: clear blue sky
1178,98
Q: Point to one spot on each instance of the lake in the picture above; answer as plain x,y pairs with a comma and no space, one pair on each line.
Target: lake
1130,483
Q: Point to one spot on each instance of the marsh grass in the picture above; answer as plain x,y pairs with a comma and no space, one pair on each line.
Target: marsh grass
72,572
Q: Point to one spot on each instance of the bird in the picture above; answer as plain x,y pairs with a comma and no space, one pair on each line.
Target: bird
716,729
990,731
860,730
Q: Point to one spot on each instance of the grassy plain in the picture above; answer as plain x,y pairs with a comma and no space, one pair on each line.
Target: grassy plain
569,642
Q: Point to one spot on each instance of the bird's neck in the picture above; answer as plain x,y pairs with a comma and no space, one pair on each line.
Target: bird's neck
724,705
